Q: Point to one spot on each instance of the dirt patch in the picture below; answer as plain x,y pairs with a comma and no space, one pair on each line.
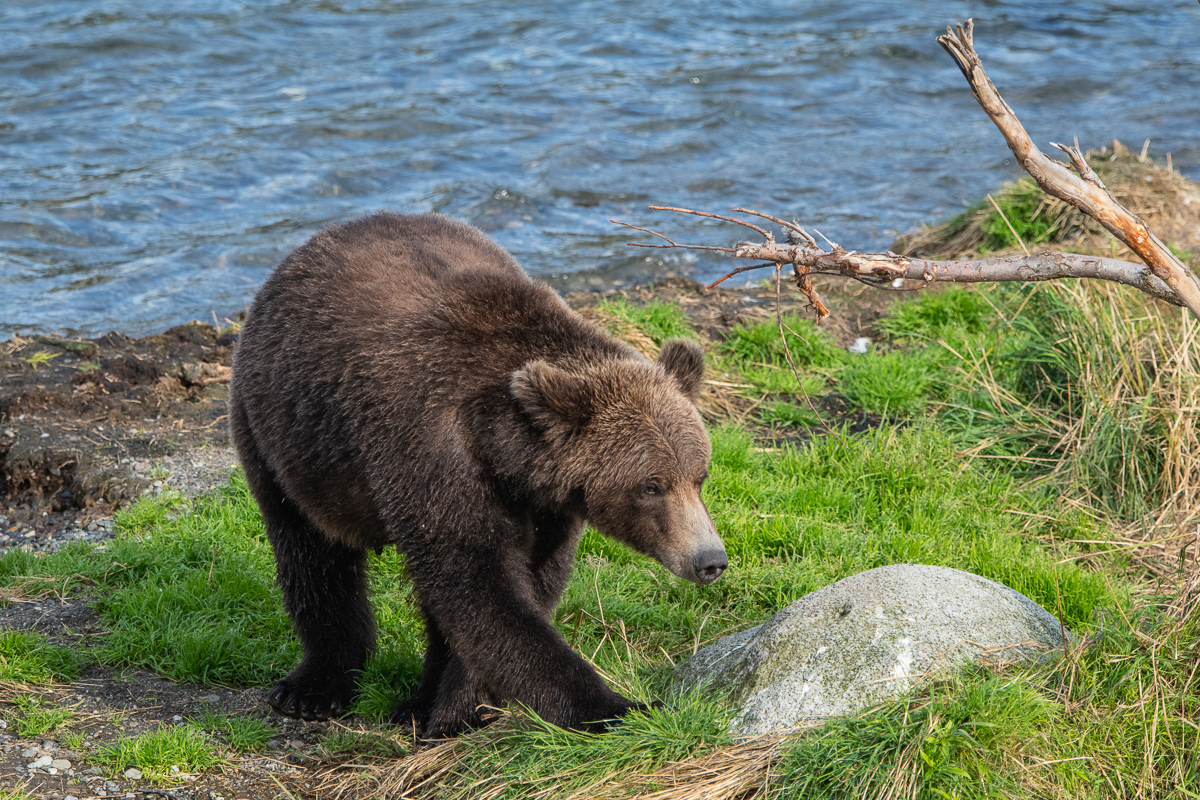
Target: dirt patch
109,705
86,425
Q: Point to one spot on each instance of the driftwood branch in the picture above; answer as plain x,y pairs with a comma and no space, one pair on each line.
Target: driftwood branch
1085,191
1163,276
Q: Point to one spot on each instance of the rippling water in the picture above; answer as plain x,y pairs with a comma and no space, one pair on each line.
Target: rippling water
157,159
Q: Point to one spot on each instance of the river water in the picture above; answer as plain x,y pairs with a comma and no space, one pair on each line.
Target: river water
157,159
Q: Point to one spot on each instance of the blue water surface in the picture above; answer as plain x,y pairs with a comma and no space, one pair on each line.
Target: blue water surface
157,159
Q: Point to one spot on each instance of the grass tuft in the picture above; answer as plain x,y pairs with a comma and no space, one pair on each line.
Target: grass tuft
887,383
29,658
34,717
184,747
243,734
657,320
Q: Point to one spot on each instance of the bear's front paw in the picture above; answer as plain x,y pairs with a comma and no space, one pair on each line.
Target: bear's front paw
302,697
413,713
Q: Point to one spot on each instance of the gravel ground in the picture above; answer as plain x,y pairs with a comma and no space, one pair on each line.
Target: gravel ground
194,472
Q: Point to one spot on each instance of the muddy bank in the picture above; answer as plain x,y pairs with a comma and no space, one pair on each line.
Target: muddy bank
87,425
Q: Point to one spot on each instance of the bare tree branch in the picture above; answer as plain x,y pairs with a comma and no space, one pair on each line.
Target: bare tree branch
1163,276
1086,192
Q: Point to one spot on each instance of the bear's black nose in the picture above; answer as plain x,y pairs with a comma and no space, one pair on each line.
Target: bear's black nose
709,565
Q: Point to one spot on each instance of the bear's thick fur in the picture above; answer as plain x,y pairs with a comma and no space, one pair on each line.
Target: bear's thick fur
400,381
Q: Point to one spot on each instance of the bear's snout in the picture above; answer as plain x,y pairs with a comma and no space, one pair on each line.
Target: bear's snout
709,565
700,558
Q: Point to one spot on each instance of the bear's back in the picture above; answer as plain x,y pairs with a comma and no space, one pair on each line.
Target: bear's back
382,265
376,335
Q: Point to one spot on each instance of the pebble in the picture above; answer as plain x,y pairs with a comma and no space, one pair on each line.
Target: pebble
60,763
133,773
44,761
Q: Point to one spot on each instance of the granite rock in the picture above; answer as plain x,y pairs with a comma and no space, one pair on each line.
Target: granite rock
866,638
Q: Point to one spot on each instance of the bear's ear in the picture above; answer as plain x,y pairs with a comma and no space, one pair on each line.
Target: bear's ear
684,361
552,396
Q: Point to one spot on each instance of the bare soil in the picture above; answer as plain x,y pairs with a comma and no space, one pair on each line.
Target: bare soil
88,426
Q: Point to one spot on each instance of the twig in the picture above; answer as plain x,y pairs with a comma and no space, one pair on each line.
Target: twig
765,233
787,351
671,243
645,230
739,271
792,226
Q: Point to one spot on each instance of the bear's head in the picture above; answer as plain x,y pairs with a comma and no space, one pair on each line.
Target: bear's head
628,433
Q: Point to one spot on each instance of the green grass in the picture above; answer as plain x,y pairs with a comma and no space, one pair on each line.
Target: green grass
756,355
344,741
1020,203
30,658
950,740
660,321
952,314
155,752
187,591
243,734
526,755
890,384
35,717
761,343
978,393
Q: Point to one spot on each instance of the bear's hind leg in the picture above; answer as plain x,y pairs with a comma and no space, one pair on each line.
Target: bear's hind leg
324,587
414,712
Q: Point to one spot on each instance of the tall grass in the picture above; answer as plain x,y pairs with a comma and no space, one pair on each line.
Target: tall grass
1088,386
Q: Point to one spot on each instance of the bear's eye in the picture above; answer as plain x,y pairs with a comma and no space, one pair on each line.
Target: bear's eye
651,487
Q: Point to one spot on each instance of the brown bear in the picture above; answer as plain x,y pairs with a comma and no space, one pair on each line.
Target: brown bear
401,381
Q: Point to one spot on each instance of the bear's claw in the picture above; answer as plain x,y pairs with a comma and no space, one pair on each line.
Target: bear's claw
298,702
412,714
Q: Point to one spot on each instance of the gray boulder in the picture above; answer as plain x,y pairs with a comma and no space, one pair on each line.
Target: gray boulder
865,639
